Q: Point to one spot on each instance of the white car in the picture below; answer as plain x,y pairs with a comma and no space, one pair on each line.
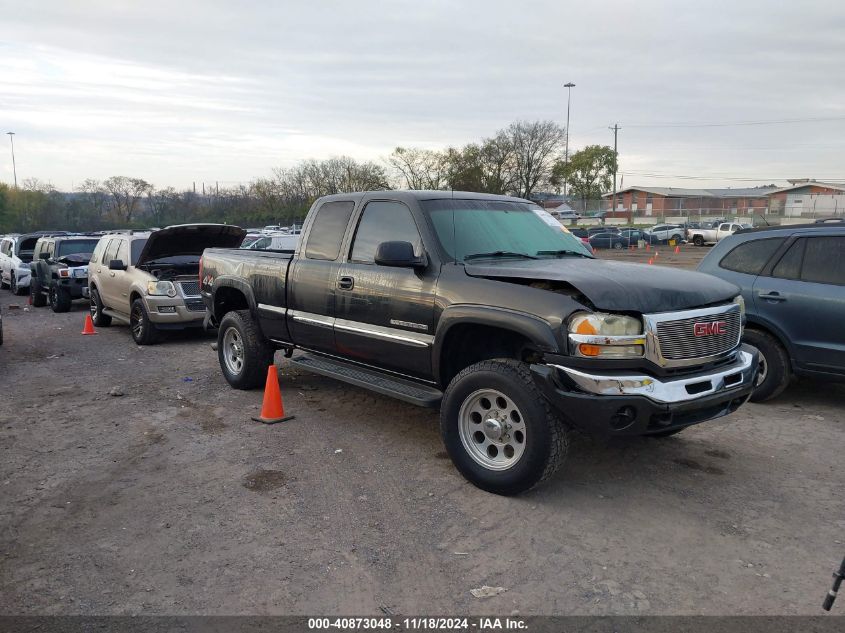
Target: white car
666,232
273,242
15,256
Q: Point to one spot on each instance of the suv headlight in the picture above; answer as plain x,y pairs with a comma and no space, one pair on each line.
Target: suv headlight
600,335
161,288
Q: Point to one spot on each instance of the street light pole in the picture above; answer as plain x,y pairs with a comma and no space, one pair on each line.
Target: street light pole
14,168
569,86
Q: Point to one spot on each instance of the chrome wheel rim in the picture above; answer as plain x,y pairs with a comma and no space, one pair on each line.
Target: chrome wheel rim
492,429
233,351
762,370
136,322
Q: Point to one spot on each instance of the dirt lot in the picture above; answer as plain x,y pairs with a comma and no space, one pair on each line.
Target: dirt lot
168,499
688,257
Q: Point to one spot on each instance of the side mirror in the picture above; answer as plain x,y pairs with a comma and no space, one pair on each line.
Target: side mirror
398,255
117,264
44,256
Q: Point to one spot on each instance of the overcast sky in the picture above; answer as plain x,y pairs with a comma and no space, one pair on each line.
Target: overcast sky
189,90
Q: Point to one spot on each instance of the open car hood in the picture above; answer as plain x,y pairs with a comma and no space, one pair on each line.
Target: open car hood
190,239
617,286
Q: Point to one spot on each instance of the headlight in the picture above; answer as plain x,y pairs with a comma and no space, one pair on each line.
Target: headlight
161,288
738,300
595,334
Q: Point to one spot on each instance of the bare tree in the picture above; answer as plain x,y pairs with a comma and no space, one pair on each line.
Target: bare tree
536,146
126,193
420,168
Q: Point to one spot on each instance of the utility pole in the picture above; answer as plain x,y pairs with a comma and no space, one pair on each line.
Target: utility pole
615,129
569,86
14,167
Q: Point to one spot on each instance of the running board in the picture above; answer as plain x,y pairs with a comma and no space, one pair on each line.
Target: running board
116,315
415,393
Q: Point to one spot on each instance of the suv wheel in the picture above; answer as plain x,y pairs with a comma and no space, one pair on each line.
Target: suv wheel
242,351
38,299
100,319
499,430
13,284
677,239
773,371
143,330
60,300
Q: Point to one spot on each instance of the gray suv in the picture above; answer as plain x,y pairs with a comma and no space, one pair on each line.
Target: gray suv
793,282
150,280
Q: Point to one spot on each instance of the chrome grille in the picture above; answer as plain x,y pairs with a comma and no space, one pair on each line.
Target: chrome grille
190,288
677,339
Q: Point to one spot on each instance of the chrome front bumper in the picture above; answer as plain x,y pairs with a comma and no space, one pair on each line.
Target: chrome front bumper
739,374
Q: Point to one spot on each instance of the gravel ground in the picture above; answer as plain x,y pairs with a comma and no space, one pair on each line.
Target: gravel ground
169,500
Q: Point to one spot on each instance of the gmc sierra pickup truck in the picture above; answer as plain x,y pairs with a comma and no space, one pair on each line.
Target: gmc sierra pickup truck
486,307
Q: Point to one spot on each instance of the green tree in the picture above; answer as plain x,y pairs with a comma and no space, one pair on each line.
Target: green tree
589,172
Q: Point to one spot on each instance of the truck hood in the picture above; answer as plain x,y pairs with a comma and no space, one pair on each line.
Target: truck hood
617,286
190,239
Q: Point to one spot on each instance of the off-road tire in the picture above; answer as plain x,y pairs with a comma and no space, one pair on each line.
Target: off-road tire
778,371
60,300
547,436
38,298
96,309
143,330
257,352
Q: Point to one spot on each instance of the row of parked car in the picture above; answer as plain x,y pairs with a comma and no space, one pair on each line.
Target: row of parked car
480,305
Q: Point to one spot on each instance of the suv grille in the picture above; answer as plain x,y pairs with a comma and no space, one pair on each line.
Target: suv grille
190,288
678,339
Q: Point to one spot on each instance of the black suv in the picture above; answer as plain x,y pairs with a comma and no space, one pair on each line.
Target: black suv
60,270
793,282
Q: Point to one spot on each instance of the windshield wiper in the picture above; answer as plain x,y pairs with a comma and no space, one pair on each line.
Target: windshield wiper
563,252
499,254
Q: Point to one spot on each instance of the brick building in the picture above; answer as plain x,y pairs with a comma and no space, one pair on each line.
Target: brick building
662,201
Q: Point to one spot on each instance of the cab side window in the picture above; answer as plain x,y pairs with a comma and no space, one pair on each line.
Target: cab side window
98,252
123,252
384,222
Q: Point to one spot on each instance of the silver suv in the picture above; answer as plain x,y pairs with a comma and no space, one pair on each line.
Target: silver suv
150,279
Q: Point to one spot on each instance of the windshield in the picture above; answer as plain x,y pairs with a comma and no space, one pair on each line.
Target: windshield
474,229
70,247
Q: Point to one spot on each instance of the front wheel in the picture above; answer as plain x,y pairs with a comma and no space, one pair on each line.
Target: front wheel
499,430
144,331
242,351
698,240
60,300
773,370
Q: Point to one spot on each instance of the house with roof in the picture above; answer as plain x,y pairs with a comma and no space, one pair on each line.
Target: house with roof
809,197
662,201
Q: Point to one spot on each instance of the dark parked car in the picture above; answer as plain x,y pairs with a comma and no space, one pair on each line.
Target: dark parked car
793,282
608,240
60,270
631,237
602,229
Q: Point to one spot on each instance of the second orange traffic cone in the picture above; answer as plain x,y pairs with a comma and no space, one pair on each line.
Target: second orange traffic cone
677,250
88,328
272,409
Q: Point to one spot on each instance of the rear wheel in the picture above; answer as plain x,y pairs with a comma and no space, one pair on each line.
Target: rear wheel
100,319
60,300
144,331
773,370
499,430
242,351
617,246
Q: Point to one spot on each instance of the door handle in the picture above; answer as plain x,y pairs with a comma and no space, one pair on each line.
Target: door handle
771,296
346,283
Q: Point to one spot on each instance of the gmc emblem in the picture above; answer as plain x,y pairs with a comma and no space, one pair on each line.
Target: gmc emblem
710,328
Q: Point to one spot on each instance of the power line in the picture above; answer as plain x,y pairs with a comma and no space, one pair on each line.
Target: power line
737,123
647,174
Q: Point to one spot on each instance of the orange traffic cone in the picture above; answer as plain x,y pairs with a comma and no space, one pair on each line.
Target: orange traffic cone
272,410
648,246
29,300
656,253
677,250
650,261
89,325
